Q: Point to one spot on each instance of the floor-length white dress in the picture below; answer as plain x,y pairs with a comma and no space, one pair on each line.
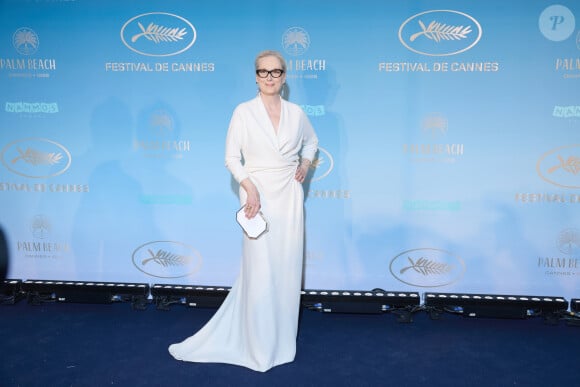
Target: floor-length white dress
256,326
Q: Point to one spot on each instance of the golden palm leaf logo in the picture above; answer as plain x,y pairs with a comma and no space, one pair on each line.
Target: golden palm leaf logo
166,258
427,267
570,165
560,166
440,31
35,157
448,32
158,34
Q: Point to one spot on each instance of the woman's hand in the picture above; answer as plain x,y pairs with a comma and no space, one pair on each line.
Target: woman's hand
252,206
302,170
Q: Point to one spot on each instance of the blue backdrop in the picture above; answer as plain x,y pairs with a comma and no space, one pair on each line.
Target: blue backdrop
449,134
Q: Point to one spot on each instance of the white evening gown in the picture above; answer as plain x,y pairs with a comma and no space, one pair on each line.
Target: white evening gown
256,326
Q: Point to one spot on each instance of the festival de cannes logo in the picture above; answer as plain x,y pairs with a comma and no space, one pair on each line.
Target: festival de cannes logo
427,267
36,158
166,259
322,165
569,241
158,34
295,41
561,166
25,41
440,33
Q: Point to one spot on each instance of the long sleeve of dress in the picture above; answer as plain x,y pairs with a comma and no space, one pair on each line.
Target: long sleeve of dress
233,153
309,141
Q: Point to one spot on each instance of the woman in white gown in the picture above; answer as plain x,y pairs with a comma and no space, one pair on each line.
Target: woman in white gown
269,147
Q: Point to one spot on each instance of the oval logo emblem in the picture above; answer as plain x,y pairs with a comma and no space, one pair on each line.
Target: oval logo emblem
25,41
295,41
167,259
427,267
36,158
323,164
440,33
158,34
561,166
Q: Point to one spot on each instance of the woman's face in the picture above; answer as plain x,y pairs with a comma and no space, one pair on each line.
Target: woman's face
270,85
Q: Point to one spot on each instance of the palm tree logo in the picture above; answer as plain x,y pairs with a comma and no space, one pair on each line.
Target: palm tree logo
435,124
40,227
569,241
161,122
25,41
295,41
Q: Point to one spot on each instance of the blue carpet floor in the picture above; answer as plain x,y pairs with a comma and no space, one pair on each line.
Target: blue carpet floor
59,344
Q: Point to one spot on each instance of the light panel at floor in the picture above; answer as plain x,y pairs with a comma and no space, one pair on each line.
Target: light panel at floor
11,291
496,306
359,301
39,291
198,296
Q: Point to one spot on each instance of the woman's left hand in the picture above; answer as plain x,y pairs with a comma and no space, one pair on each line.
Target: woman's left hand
302,171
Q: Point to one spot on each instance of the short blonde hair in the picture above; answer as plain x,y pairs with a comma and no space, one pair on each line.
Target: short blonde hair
273,53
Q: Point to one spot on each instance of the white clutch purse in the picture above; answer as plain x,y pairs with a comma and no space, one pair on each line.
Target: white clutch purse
254,227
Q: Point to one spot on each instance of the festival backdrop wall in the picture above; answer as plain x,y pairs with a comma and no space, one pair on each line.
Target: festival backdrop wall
449,140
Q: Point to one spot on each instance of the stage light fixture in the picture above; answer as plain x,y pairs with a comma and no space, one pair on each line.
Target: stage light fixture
39,291
11,291
575,305
573,318
192,295
361,301
495,306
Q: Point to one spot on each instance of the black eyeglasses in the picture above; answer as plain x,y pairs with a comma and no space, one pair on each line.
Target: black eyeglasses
263,73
